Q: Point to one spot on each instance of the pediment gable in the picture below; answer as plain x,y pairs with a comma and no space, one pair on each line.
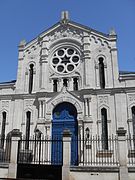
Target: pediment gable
68,29
65,96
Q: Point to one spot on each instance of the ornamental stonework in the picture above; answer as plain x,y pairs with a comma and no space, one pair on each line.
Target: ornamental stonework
33,56
66,32
132,98
5,104
103,99
28,103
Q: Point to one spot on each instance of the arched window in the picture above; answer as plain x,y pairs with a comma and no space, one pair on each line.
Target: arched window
4,116
75,84
55,85
101,73
133,118
104,129
65,82
28,118
87,131
31,78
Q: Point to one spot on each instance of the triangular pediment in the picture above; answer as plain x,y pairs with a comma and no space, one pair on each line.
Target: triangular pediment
68,29
64,95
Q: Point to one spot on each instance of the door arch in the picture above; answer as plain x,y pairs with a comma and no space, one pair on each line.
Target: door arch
65,117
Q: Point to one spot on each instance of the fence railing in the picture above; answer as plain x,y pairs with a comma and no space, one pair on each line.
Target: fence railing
92,152
131,150
40,151
49,151
5,150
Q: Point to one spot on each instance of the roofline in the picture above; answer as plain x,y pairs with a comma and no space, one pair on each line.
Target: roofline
88,28
43,32
126,75
72,23
8,83
126,72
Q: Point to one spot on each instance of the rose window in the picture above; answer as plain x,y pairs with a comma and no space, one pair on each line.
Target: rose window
65,60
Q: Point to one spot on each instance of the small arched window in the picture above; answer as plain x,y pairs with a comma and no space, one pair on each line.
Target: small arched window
28,118
101,73
87,131
31,78
133,118
65,82
75,84
4,116
104,129
55,85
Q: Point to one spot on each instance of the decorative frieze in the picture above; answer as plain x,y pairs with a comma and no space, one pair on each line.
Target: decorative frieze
33,56
28,103
63,32
5,104
131,98
103,99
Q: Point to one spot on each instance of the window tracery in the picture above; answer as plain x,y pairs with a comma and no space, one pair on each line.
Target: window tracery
65,60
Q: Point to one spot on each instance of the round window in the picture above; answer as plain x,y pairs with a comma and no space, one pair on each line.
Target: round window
65,60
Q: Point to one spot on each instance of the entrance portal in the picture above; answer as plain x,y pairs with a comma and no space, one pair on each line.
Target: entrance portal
64,117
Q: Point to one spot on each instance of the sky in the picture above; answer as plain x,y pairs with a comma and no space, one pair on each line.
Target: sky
25,19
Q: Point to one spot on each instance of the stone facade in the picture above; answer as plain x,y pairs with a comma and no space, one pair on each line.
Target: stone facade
69,53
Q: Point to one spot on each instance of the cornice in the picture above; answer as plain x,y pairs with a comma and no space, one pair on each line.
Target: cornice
79,93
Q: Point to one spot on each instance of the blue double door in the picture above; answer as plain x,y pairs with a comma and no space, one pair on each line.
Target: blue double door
64,117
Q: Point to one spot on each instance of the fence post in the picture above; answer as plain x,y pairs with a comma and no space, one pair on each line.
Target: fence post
66,154
15,137
122,154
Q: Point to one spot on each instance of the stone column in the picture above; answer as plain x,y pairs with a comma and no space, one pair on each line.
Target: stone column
86,106
44,76
97,75
60,84
81,142
114,59
106,76
71,84
89,105
122,154
44,108
34,80
66,155
15,137
26,87
40,109
86,50
44,63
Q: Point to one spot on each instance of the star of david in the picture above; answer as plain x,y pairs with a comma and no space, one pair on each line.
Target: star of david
65,60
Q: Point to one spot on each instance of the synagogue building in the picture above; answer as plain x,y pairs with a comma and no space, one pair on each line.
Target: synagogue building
70,113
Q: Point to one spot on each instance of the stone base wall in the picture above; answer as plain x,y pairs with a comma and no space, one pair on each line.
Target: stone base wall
3,171
94,175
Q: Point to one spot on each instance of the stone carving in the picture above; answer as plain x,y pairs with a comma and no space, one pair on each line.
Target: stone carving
5,104
66,31
131,97
100,41
32,56
103,99
28,103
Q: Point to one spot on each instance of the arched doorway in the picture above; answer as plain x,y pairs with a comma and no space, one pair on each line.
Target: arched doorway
65,117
